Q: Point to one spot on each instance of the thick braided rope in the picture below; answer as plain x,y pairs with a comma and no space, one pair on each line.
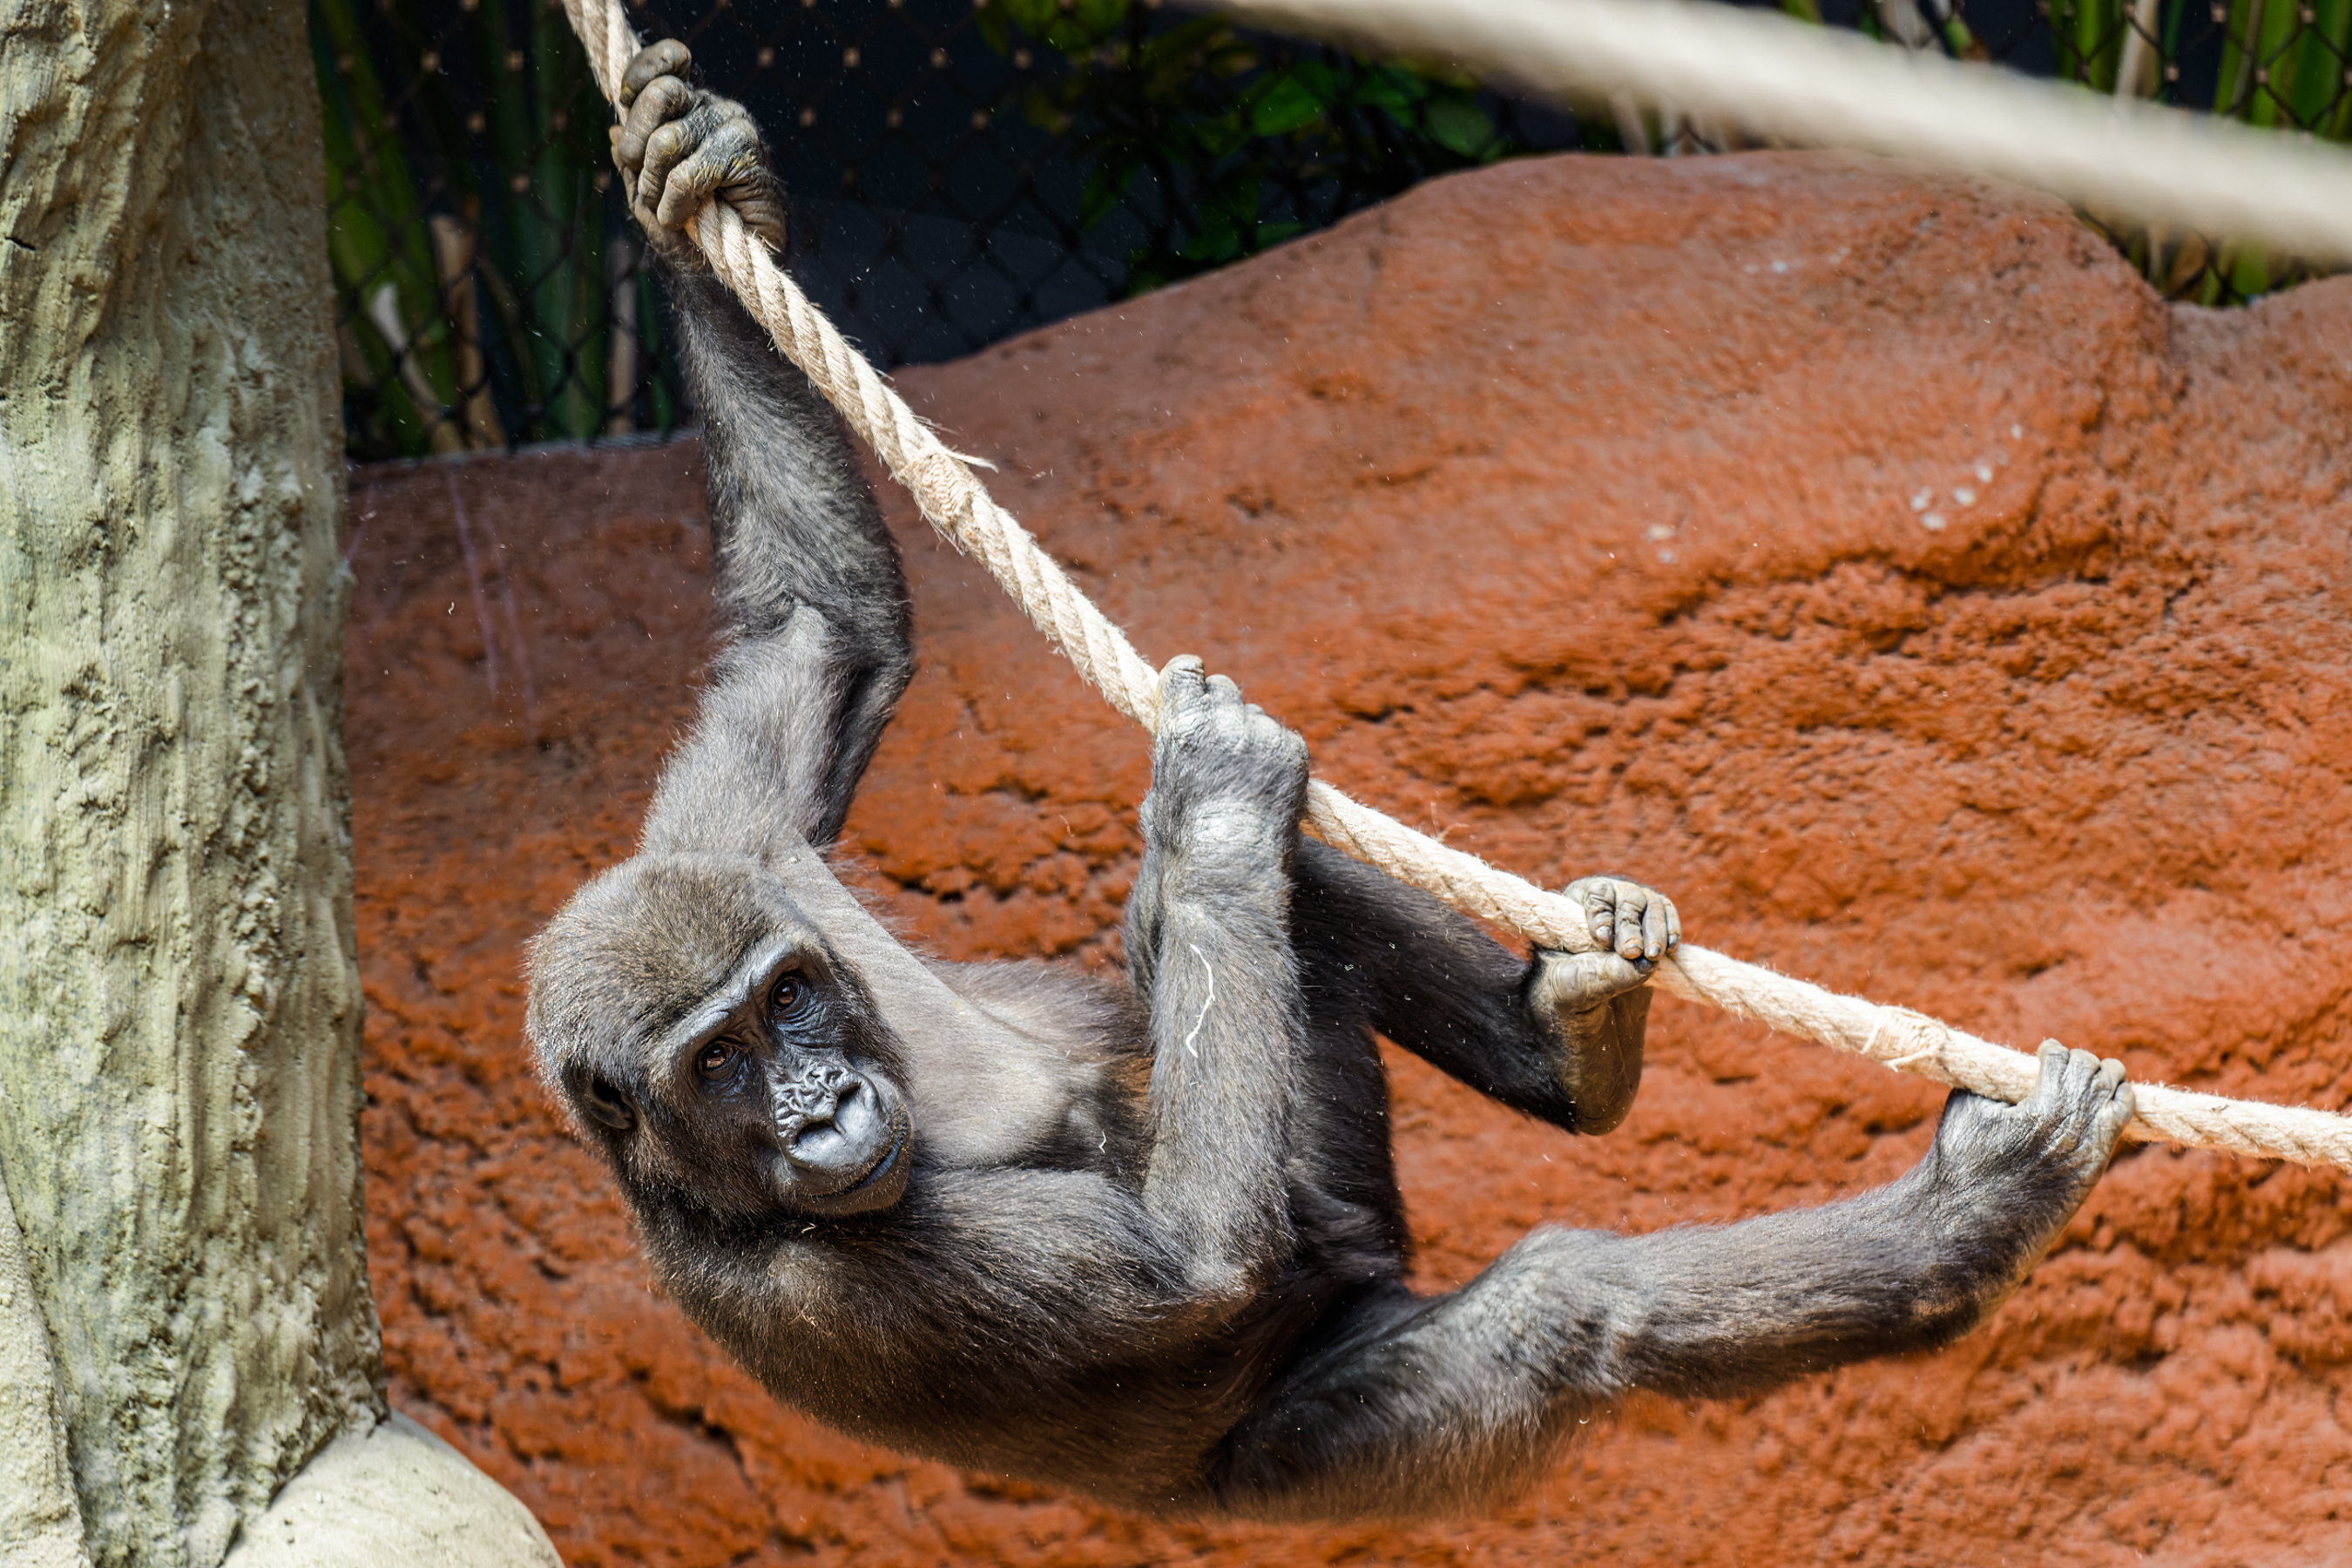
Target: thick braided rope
953,501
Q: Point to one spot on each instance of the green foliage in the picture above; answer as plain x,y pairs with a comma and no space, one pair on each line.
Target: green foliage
1222,145
376,229
1235,138
2283,68
2285,64
537,270
2089,36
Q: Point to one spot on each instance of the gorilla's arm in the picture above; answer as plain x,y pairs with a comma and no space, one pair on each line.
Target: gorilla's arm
810,591
1208,950
813,598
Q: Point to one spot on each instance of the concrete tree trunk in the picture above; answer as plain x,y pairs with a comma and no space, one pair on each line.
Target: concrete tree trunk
184,1316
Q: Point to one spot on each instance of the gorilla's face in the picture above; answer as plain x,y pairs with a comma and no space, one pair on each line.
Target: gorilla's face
753,1074
783,1099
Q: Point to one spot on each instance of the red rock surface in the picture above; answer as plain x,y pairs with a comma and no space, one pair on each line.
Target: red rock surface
1585,509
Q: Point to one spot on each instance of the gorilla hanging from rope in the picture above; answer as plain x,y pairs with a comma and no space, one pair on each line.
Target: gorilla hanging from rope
1144,1242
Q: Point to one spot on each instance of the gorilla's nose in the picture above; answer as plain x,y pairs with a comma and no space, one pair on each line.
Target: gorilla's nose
836,1134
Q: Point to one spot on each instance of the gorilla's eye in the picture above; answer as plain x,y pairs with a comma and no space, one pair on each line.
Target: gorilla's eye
717,1058
790,999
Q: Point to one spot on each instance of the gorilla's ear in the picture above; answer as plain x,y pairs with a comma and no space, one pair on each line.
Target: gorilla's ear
597,1095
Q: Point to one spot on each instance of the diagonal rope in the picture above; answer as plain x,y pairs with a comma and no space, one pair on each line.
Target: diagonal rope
954,502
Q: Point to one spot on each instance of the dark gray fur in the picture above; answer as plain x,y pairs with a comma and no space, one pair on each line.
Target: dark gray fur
1145,1242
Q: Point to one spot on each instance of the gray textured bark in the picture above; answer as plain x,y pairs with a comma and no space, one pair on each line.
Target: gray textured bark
40,1518
179,993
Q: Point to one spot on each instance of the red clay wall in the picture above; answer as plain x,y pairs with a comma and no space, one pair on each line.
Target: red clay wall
1589,510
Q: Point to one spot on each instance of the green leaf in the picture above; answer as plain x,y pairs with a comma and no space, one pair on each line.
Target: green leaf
1393,88
1032,16
1459,125
1217,138
1236,203
1218,241
1102,17
1046,108
1287,103
1107,185
1196,102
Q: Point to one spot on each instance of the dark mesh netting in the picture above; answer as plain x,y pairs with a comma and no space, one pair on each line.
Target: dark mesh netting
960,171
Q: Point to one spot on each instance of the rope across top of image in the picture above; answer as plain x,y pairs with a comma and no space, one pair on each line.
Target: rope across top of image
2160,171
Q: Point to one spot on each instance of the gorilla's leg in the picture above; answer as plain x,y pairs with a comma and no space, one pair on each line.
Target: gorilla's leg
1558,1037
1415,1407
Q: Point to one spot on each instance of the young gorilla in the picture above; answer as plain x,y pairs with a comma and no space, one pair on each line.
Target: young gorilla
1144,1243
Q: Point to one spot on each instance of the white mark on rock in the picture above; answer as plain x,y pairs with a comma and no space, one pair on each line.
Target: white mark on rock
1919,502
1933,522
1964,496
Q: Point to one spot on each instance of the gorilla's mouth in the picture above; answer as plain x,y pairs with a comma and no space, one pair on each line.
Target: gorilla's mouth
882,1182
879,1169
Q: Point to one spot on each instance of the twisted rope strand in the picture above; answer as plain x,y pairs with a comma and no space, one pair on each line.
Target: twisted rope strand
954,502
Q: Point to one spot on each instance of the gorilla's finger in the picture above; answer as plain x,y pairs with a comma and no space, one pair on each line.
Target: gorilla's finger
2085,1072
667,58
666,149
1654,927
688,187
2120,1106
1601,910
1632,903
1583,980
663,100
1181,679
2050,1082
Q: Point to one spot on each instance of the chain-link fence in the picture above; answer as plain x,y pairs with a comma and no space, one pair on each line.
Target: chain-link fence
961,170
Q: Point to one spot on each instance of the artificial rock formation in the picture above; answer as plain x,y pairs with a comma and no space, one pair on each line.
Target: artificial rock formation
1874,563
